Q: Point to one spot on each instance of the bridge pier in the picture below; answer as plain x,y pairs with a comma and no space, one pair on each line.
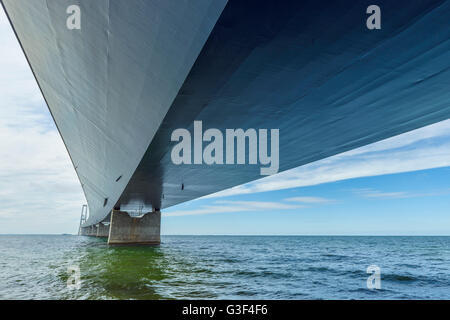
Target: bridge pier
102,230
90,231
83,231
123,229
128,230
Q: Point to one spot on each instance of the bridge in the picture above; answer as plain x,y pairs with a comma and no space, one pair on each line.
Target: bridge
131,72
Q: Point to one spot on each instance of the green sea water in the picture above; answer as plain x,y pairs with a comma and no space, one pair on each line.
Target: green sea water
225,267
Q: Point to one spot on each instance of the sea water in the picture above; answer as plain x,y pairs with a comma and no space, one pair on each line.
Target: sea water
225,267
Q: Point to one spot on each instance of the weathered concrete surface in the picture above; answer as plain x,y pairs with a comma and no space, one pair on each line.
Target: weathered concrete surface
127,230
90,231
102,230
82,231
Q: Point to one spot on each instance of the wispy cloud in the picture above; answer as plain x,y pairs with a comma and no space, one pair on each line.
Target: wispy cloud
376,194
230,206
309,200
370,193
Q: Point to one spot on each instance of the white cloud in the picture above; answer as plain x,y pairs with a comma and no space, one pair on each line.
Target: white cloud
228,206
309,200
370,193
376,194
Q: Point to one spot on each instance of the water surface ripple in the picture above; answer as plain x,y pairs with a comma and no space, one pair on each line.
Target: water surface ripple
226,267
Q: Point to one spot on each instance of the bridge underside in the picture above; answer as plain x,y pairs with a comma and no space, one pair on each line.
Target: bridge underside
318,74
117,89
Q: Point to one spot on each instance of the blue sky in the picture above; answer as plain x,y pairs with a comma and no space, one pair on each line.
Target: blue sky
399,186
412,203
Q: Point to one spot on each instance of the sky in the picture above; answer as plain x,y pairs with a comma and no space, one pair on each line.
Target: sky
398,186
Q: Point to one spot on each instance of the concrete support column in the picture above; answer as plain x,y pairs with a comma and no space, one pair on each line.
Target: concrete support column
124,229
89,231
102,230
83,231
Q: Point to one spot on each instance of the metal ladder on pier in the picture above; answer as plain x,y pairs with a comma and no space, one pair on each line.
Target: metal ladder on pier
83,218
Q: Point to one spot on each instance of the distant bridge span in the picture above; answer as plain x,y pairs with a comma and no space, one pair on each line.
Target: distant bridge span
139,69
